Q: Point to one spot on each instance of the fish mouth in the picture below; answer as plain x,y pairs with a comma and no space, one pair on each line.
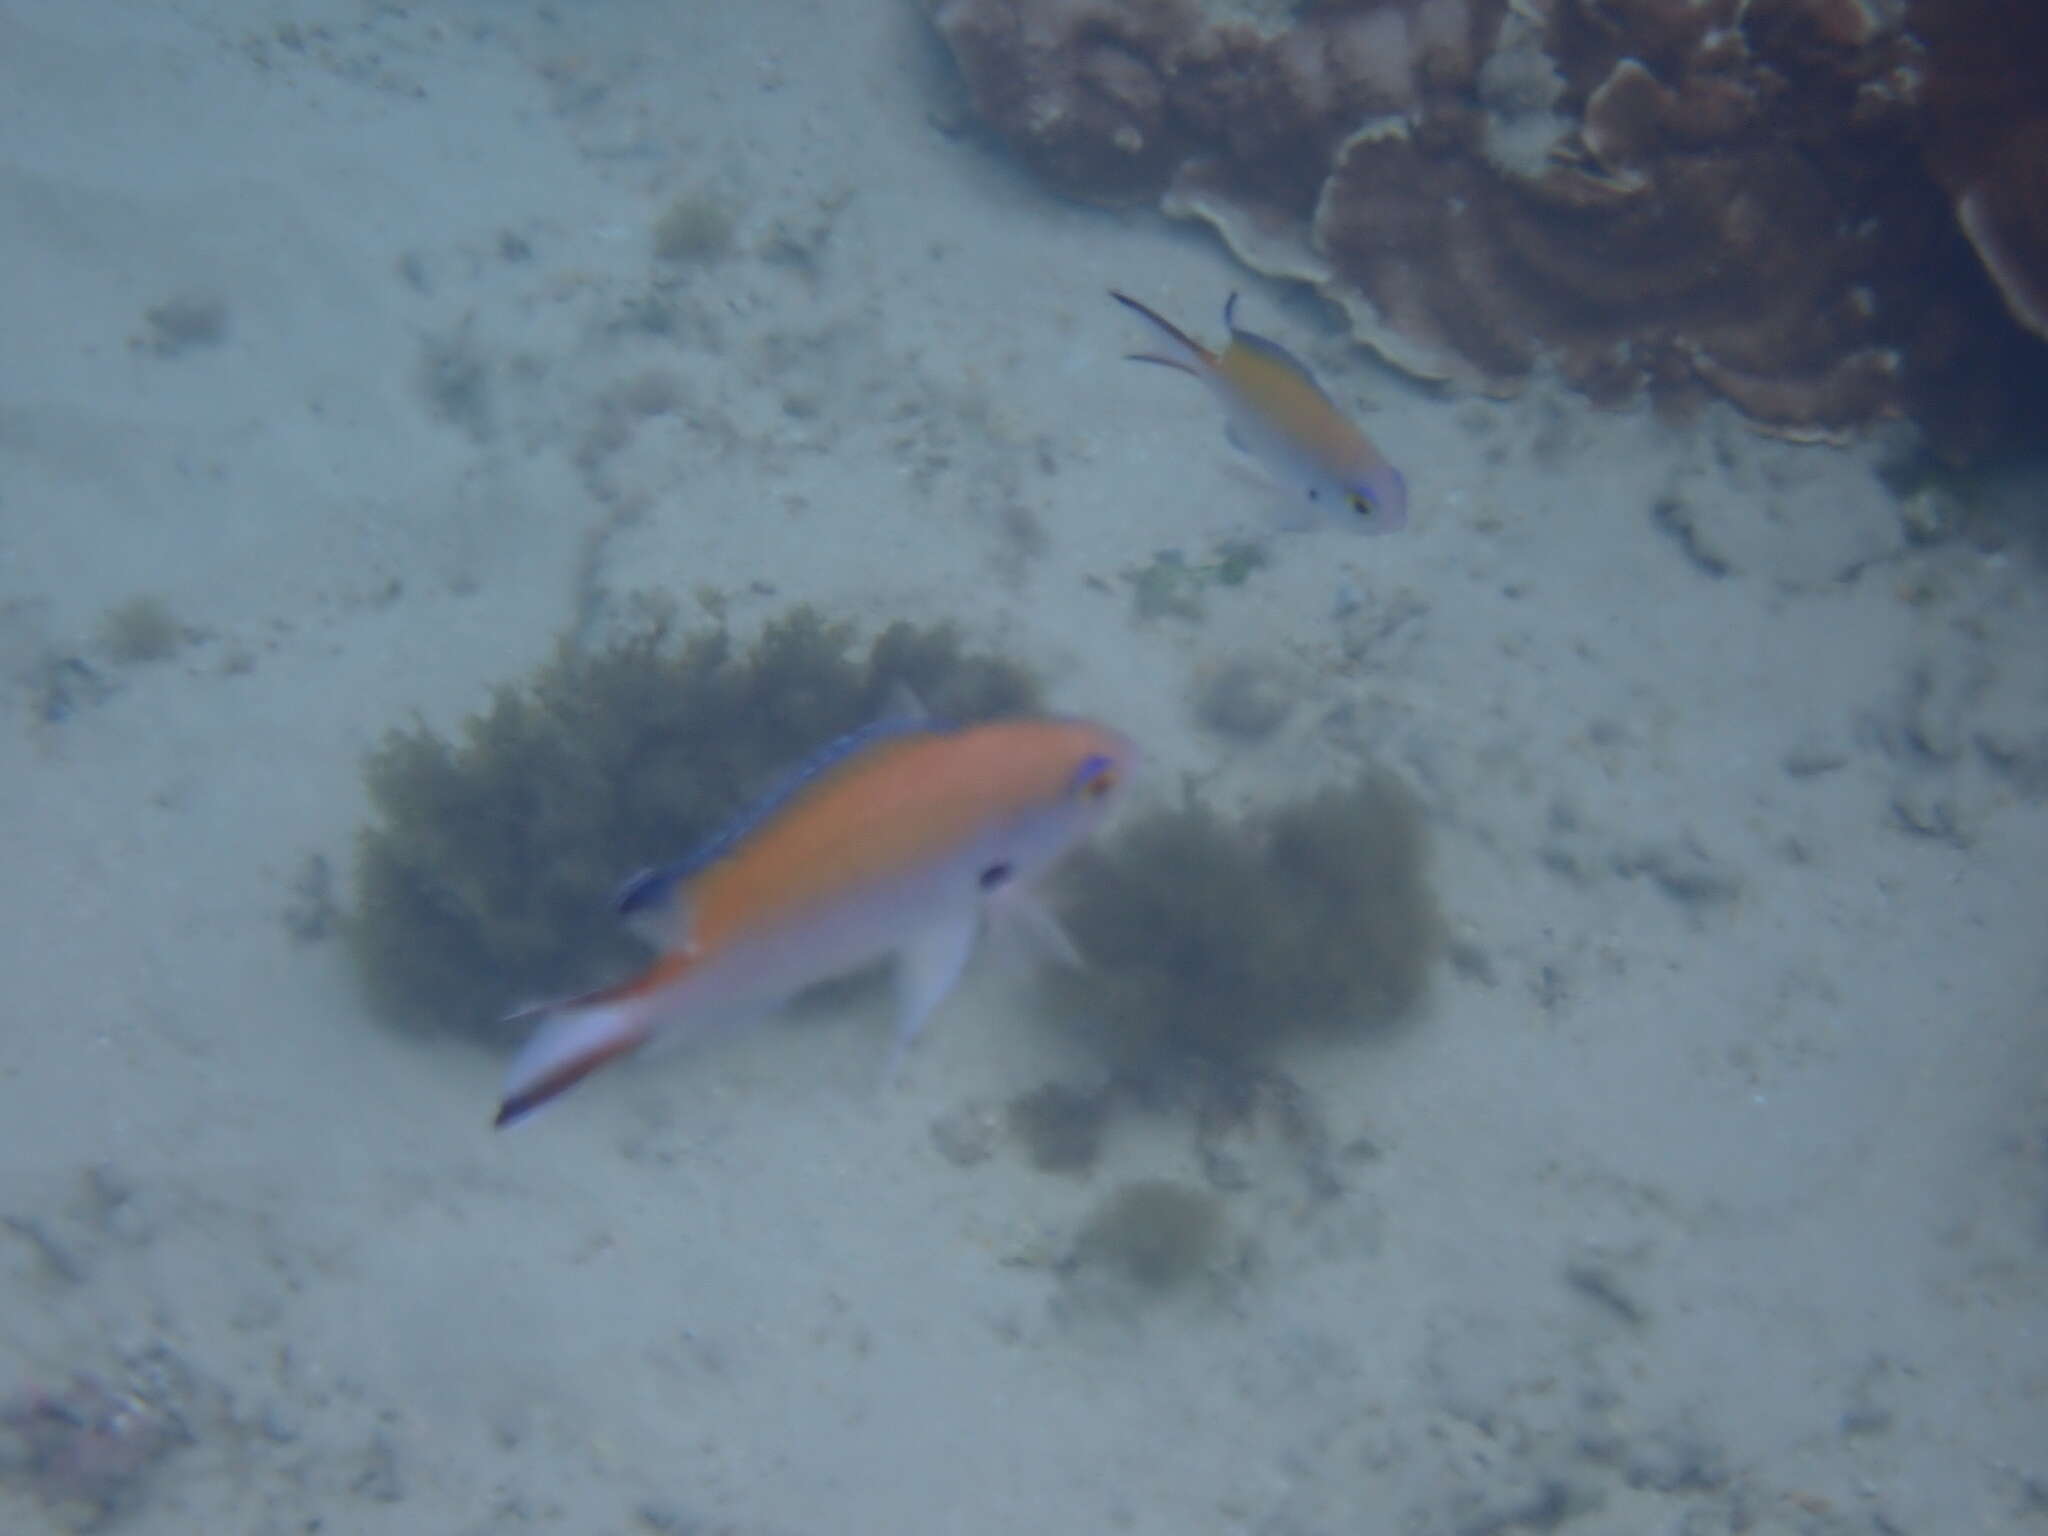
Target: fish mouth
1381,500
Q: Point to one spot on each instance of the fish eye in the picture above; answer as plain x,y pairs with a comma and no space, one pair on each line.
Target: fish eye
996,876
1361,506
1096,777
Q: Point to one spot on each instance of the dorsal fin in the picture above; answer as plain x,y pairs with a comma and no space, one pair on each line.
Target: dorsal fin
903,707
655,905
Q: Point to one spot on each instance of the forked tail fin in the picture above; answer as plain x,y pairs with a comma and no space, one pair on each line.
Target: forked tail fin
1189,355
577,1037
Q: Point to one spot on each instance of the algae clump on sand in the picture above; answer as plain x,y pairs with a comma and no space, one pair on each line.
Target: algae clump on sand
141,630
696,227
485,876
1214,938
1158,1234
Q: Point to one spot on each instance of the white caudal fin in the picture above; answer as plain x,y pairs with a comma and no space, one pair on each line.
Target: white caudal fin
573,1041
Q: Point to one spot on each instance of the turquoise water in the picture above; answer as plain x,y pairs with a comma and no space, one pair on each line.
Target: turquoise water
1631,1120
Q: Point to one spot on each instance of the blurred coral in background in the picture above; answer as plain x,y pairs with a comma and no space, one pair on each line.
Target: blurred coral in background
1827,212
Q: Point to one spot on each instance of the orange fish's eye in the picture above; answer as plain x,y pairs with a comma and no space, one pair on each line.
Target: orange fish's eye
1095,778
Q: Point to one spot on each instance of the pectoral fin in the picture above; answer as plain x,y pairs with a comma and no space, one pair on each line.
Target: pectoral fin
1027,914
927,969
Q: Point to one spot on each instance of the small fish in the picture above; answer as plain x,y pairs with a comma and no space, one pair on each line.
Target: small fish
1275,411
894,841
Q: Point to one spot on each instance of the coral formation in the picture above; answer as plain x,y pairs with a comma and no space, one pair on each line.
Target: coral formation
1216,938
1987,137
484,878
1691,198
1077,88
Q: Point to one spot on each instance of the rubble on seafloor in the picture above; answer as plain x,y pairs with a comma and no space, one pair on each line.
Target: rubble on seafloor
85,1446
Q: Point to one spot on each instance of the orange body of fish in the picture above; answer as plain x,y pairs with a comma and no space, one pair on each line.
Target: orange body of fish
895,842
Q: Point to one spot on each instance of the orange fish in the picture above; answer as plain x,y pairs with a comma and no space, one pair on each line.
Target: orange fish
895,841
1274,410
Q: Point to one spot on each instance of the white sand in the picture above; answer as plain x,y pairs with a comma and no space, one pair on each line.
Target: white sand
1702,1214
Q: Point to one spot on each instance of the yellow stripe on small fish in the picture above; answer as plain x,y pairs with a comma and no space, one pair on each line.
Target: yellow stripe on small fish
1275,411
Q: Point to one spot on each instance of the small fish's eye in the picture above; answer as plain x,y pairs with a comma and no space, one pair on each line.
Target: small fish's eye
996,876
1361,506
1315,493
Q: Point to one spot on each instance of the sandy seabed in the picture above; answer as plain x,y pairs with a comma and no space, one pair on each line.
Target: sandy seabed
1709,1195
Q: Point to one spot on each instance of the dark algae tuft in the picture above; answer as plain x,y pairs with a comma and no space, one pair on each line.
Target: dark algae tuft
696,229
1217,938
141,630
1172,586
1061,1126
485,876
1155,1233
1243,698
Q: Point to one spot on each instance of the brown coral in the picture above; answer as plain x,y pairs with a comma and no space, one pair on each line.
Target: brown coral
1987,137
2004,211
1076,86
1693,197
